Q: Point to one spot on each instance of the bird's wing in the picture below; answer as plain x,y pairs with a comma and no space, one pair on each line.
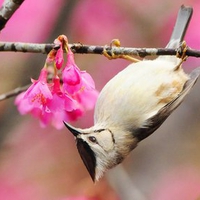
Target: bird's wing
156,121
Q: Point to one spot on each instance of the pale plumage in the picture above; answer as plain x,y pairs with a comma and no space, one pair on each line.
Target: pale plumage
133,104
152,90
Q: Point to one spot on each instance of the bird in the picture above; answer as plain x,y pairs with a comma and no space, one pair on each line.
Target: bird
134,103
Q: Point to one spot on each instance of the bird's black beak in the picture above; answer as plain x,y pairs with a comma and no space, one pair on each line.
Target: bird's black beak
72,129
88,157
86,153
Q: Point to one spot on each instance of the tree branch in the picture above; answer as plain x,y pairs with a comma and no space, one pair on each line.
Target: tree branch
87,49
7,10
26,47
13,93
91,49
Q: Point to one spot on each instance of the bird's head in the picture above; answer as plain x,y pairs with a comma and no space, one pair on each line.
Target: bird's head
101,148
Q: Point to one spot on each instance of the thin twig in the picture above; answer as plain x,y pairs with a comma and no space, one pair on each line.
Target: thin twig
7,10
92,49
26,47
14,92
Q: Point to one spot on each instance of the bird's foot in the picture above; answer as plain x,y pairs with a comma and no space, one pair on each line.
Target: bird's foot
181,53
108,53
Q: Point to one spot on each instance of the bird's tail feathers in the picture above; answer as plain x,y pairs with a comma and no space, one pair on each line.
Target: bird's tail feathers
180,28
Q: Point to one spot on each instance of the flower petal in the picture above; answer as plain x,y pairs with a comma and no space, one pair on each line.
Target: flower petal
59,58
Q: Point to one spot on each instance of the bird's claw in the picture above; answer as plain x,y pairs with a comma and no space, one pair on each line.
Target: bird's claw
111,55
181,52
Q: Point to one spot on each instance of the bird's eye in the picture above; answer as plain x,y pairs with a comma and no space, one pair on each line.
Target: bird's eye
92,139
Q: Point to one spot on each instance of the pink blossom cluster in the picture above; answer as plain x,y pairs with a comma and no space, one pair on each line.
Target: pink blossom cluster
64,97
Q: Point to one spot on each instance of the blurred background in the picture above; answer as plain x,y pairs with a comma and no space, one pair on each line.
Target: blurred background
43,163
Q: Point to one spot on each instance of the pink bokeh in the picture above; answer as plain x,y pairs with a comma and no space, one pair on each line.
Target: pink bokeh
32,22
181,183
43,163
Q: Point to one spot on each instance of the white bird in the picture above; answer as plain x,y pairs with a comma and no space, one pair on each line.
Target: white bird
133,104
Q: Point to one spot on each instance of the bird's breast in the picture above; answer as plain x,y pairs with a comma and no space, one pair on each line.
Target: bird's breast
139,91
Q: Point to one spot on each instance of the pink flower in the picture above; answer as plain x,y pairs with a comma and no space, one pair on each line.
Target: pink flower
55,102
62,101
87,96
71,75
61,41
79,83
36,97
61,107
59,58
50,106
